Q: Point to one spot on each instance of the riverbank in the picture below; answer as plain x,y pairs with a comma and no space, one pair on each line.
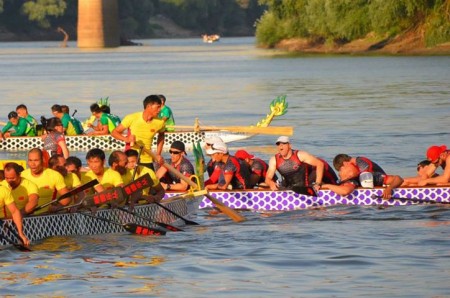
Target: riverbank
406,44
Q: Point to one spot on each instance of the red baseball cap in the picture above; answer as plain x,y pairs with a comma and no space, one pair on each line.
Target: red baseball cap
242,154
434,152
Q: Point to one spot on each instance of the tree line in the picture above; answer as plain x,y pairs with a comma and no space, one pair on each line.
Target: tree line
341,21
224,17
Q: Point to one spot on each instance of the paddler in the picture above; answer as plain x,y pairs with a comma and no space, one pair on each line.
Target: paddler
294,166
6,199
179,161
142,127
440,157
21,127
106,122
24,192
351,178
72,126
49,182
166,114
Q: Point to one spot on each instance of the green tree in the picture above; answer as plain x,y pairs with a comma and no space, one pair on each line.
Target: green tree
40,10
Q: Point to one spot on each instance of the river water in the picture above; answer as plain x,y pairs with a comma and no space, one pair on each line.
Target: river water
387,108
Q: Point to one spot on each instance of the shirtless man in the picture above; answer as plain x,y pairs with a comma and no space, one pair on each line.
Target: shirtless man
293,166
440,157
142,127
49,182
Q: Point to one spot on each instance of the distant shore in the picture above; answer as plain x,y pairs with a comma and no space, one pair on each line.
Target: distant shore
407,44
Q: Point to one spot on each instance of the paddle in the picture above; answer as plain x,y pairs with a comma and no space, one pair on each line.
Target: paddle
225,209
131,227
67,194
269,130
161,224
414,200
186,221
20,247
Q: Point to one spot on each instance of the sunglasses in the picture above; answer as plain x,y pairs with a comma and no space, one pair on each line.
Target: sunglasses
174,152
278,143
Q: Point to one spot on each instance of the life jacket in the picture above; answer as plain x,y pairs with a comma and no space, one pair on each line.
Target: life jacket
293,170
241,177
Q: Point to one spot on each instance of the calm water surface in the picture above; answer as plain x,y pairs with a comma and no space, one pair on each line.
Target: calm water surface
387,108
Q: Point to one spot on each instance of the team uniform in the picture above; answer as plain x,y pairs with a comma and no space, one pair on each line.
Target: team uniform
144,132
329,176
141,171
23,128
233,166
48,183
72,126
20,195
293,170
51,141
6,197
109,180
109,120
185,167
166,112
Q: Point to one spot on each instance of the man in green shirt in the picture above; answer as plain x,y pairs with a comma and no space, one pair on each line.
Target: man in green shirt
166,114
22,111
21,127
72,126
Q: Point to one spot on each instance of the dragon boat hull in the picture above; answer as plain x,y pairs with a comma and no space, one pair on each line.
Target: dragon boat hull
107,142
66,224
266,200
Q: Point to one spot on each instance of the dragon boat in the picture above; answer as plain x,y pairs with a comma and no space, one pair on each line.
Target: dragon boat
267,200
65,224
187,134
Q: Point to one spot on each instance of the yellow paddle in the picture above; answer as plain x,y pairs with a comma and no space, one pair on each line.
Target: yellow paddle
270,130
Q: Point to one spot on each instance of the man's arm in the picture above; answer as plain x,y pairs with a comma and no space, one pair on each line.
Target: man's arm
392,182
442,179
342,190
117,134
315,162
17,218
33,200
270,173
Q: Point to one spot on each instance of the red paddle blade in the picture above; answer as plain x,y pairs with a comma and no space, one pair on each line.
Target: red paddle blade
110,196
143,230
169,227
138,185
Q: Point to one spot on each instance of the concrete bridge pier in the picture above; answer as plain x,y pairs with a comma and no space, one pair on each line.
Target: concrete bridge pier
98,24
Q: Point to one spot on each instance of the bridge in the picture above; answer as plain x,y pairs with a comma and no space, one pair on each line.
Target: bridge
98,24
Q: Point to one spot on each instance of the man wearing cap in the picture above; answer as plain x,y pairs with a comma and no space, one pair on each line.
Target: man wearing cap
294,166
258,168
439,156
169,181
228,171
209,141
20,125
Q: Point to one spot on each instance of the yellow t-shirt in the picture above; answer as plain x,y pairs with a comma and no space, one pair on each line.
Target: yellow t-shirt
48,183
6,197
72,181
144,132
141,171
109,180
20,194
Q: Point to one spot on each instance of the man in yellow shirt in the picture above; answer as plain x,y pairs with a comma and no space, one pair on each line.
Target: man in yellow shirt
49,182
57,162
142,127
24,192
107,177
156,191
6,199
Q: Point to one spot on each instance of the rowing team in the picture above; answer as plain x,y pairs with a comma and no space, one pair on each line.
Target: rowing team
301,169
21,123
41,189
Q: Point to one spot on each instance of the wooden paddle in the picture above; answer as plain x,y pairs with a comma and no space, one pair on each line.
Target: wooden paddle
20,247
225,209
269,130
